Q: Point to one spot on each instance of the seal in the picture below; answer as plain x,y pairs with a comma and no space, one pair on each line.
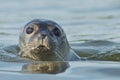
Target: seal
45,40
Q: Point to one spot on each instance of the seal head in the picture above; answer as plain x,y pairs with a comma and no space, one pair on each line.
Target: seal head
43,40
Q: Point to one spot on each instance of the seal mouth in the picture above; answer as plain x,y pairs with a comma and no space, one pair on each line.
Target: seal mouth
41,48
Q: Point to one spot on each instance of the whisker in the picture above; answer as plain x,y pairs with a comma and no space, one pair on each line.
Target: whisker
58,49
59,56
59,53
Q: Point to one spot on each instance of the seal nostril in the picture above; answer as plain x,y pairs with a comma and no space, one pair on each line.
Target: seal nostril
43,35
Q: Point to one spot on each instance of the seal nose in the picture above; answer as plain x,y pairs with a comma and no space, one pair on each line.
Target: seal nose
43,35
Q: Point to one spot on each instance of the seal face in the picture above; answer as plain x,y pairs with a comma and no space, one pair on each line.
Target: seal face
43,40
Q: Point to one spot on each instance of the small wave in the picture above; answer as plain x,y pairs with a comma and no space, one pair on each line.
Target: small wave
3,33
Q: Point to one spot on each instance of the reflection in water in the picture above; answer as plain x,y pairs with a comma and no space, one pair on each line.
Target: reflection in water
52,67
98,50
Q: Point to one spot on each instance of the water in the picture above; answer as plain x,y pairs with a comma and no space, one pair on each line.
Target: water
82,21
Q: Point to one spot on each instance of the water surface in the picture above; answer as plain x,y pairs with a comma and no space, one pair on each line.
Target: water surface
82,20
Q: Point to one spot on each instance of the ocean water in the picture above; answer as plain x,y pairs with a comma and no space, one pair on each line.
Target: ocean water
92,28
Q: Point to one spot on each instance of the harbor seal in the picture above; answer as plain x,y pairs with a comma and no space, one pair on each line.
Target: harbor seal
45,40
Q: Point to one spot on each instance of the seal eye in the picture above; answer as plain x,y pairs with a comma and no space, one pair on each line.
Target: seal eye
29,30
57,32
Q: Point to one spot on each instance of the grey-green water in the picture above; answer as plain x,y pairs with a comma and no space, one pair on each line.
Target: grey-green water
82,20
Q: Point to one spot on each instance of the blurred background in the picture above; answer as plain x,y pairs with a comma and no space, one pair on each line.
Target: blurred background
82,20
